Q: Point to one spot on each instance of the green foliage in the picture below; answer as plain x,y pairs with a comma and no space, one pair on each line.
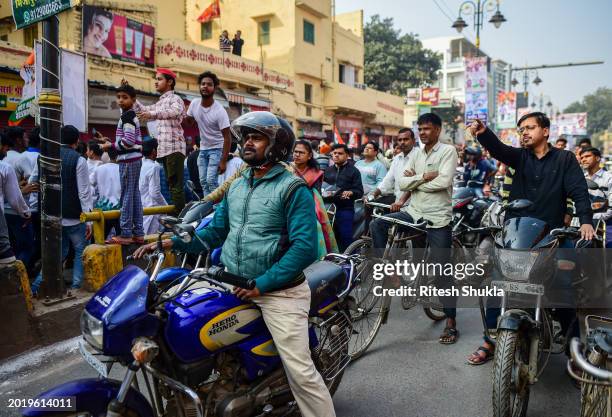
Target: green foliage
599,108
394,62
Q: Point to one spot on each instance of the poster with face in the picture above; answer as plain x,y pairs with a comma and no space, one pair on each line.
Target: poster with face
110,35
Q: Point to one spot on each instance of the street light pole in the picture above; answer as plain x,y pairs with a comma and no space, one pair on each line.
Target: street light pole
50,103
478,9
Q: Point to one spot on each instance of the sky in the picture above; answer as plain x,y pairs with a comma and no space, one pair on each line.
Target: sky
537,32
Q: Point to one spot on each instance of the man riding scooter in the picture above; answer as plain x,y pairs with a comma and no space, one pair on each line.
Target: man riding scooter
268,228
476,170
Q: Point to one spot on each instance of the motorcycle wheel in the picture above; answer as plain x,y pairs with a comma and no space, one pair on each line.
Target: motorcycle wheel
510,385
434,314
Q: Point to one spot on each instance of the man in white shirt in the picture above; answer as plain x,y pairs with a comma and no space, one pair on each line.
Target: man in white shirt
150,187
94,158
21,231
233,164
11,194
213,123
390,184
76,198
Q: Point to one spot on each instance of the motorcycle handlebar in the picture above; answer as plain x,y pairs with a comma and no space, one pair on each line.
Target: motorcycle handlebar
584,364
221,275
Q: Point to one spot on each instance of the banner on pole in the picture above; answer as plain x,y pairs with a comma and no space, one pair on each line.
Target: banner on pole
476,99
431,95
506,110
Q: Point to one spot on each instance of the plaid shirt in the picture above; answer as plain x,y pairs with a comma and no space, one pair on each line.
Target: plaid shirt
169,111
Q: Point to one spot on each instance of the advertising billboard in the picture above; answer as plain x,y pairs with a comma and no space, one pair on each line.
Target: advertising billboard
110,35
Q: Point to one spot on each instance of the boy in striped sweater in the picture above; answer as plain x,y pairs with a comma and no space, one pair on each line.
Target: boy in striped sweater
128,143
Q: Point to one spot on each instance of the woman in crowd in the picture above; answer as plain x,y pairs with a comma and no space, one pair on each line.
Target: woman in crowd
306,167
372,170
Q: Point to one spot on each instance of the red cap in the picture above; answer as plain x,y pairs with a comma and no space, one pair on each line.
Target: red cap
167,72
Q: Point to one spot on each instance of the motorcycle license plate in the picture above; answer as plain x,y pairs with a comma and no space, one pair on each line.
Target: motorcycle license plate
92,360
519,287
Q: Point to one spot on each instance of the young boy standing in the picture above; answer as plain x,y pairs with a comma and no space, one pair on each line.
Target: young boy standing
128,143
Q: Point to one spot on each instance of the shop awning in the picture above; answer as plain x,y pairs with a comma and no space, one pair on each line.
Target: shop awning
245,98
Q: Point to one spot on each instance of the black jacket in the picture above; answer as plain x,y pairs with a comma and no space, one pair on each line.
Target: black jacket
548,182
346,178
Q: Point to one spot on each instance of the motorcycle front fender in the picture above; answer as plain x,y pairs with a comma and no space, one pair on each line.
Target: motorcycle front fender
91,395
516,320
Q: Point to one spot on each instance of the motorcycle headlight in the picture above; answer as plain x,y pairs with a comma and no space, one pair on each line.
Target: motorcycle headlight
516,265
92,330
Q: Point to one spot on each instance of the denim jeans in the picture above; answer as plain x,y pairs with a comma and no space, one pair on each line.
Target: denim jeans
208,168
436,237
21,233
75,236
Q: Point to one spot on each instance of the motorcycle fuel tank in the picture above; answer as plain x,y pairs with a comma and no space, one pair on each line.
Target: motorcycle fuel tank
206,321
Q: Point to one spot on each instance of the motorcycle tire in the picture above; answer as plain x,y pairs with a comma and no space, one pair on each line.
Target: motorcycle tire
509,398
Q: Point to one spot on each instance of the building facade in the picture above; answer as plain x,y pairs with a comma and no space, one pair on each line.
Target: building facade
299,61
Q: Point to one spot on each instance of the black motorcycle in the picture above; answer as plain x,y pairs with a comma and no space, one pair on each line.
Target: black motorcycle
468,211
526,268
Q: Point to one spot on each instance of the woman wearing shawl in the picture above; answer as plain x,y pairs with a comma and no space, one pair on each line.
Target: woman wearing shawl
306,167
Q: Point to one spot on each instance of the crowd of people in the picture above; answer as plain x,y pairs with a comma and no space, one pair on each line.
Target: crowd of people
133,171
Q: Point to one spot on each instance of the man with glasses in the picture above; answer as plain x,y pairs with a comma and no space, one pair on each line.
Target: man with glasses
546,176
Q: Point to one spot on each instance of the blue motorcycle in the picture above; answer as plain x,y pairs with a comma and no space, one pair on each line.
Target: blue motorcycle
192,348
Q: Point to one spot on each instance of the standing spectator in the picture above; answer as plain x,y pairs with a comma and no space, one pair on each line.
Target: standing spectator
585,143
29,158
192,167
237,43
28,165
12,143
150,188
372,170
128,144
106,183
94,158
213,123
21,231
225,44
76,198
561,143
347,180
9,193
233,164
169,112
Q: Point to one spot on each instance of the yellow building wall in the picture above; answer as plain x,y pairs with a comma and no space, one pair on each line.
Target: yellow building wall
351,21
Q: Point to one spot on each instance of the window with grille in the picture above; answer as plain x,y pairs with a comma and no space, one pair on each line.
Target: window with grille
206,31
263,35
308,93
309,32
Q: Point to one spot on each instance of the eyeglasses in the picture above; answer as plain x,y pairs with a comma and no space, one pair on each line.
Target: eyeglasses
524,129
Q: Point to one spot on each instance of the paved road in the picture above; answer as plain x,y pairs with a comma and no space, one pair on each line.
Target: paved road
405,373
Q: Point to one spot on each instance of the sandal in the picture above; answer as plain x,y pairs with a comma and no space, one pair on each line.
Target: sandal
119,240
477,358
449,336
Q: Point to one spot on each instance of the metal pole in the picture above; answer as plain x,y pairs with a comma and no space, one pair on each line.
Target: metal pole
50,103
478,24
